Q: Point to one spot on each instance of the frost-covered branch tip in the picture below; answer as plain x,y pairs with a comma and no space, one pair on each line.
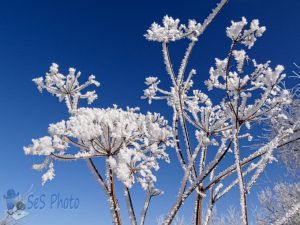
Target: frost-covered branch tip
67,87
237,32
172,30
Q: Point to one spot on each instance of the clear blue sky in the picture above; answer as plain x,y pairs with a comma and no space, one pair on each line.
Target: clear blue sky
105,38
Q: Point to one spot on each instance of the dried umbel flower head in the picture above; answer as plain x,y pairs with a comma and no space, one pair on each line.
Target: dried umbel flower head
131,141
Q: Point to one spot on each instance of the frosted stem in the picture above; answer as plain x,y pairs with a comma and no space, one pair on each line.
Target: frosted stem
184,195
176,137
168,63
130,206
185,62
209,213
198,206
243,200
114,205
145,209
212,16
96,173
186,138
199,198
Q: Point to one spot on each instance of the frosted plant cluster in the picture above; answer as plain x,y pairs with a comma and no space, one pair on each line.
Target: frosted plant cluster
289,153
252,93
247,37
211,136
66,87
172,30
131,143
280,205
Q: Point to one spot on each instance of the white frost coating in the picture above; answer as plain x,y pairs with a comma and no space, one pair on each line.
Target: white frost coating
237,32
234,31
243,200
41,166
268,156
66,87
250,98
42,146
289,152
289,214
171,30
133,142
240,57
280,205
49,175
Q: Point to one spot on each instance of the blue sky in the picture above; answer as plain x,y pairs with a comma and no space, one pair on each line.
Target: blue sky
105,38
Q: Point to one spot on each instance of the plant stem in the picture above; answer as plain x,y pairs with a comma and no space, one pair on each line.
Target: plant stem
115,209
198,216
145,209
130,206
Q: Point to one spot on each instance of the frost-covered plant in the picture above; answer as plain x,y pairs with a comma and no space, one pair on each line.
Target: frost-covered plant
131,142
251,94
67,87
289,151
280,206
